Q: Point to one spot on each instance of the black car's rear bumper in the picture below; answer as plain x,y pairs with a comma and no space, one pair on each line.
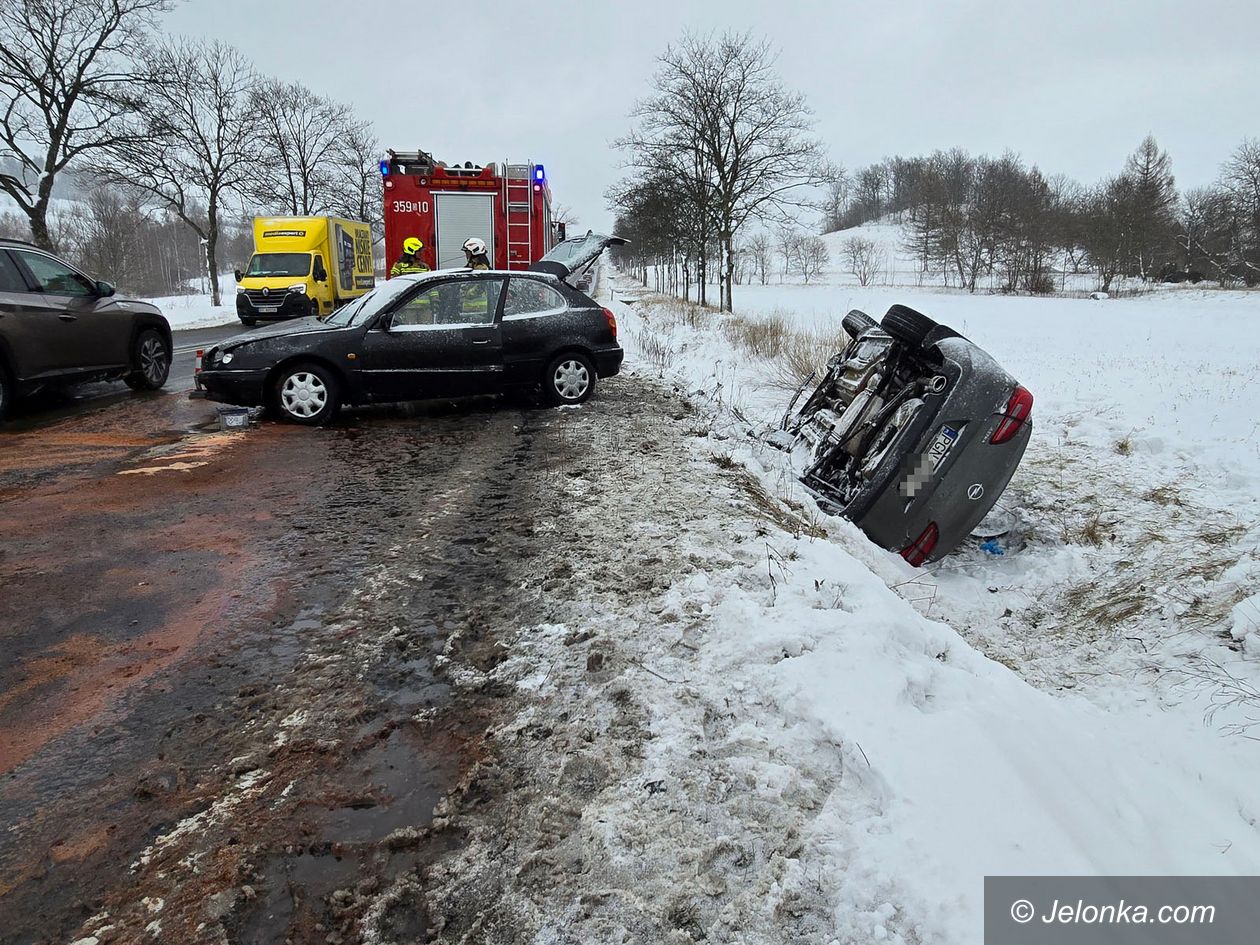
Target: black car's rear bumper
608,363
242,388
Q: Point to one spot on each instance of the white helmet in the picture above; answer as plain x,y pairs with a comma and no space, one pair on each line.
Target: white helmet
475,246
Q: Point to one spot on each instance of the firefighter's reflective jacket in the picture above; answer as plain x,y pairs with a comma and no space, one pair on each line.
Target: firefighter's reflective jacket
407,266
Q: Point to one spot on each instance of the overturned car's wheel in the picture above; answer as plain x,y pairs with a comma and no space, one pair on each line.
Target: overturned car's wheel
150,361
858,322
907,325
569,379
306,393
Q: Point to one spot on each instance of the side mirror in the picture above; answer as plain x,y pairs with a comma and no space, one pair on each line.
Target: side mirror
105,290
385,322
237,273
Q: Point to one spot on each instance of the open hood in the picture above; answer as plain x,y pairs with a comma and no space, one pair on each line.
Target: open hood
575,255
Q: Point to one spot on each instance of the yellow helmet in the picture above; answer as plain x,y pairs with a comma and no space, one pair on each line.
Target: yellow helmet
411,245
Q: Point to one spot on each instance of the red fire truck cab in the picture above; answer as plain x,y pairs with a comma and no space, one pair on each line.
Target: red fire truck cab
508,206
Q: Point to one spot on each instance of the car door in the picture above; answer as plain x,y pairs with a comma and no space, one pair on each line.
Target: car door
533,319
444,340
20,322
80,330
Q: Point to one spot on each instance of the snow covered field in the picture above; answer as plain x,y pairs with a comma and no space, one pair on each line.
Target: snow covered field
1080,704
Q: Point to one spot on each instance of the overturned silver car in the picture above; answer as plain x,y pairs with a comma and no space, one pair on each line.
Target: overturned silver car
912,433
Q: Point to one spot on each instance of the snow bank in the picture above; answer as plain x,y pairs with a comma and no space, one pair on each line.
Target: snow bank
195,311
1054,731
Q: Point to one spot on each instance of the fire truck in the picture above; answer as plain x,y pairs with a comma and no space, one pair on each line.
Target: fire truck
508,206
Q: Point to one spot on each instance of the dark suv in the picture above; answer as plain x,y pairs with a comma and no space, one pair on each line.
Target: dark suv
57,326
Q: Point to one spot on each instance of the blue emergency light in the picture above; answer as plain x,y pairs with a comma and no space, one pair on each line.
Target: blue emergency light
384,168
539,173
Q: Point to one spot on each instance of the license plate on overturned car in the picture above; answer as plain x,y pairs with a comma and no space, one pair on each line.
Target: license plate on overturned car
941,445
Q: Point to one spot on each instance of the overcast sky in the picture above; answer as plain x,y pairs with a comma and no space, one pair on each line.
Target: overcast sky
1071,86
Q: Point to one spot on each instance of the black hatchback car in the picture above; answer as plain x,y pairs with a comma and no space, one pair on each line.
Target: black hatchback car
450,333
58,326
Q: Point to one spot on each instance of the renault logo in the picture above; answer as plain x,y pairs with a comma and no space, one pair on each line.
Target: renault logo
266,292
975,491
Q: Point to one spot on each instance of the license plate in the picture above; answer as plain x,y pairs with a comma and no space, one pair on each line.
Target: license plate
940,446
269,308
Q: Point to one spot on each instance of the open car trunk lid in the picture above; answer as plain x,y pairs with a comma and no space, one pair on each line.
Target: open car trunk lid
574,256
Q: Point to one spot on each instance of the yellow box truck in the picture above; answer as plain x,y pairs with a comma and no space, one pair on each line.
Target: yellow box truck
304,266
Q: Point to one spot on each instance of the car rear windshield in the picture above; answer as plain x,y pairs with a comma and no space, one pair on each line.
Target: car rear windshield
279,264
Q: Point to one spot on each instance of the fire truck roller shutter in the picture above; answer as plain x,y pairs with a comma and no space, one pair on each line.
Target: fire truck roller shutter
460,216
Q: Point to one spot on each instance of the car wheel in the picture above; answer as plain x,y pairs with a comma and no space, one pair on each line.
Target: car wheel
907,325
857,322
569,379
249,322
150,361
306,393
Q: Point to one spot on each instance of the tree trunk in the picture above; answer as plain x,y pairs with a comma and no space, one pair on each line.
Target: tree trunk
212,242
728,252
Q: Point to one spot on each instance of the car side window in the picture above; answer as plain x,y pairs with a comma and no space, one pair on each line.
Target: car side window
54,277
467,302
529,297
10,277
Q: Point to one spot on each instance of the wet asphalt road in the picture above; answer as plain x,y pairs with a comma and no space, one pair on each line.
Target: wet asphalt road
178,604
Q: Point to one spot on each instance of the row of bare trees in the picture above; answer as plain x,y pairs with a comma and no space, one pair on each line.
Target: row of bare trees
969,218
719,145
190,126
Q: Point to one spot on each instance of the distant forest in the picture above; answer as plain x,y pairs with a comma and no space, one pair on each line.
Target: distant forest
969,217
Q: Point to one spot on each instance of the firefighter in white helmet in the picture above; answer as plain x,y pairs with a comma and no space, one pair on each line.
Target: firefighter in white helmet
475,253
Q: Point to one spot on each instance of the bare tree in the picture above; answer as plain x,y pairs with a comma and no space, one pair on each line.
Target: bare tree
863,258
760,252
360,186
836,201
67,83
562,213
813,256
719,104
788,243
1241,181
301,146
197,138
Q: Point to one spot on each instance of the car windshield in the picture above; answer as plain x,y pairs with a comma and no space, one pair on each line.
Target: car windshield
362,309
279,264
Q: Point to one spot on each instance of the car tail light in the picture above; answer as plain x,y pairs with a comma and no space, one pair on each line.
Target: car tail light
200,354
1018,410
923,546
612,321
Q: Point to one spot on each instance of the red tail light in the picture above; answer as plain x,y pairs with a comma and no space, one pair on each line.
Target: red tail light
612,321
200,354
923,546
1018,410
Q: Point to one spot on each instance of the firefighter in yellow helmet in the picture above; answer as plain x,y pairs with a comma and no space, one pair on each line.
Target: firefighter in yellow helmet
409,262
475,253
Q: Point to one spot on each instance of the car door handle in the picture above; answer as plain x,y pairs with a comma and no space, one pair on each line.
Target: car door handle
481,341
67,317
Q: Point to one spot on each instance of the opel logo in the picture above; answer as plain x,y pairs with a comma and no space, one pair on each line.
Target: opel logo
975,491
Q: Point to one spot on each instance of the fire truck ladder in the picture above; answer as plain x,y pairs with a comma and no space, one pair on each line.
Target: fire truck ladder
520,203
